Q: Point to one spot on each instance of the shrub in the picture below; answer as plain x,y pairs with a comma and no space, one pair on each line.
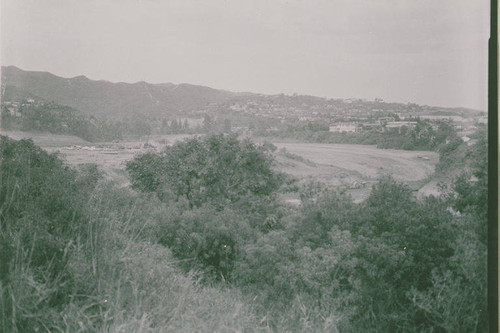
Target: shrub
205,238
217,169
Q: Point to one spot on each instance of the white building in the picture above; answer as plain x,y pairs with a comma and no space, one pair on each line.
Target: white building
465,138
483,120
385,120
399,124
344,128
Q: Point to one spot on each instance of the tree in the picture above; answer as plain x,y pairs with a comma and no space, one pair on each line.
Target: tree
5,118
144,168
227,125
401,242
457,299
208,123
217,169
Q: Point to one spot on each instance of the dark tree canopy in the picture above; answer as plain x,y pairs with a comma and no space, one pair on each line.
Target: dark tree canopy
217,169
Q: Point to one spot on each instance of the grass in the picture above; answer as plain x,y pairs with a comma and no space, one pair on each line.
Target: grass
143,290
121,282
150,295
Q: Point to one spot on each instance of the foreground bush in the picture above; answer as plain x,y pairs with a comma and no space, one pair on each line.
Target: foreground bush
392,263
204,238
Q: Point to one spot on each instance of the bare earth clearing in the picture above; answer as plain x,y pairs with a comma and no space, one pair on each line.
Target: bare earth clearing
357,167
354,168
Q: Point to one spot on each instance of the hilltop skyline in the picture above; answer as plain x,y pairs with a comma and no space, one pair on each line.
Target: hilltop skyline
51,83
426,53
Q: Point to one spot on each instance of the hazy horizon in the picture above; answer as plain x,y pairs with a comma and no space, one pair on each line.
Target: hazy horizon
427,53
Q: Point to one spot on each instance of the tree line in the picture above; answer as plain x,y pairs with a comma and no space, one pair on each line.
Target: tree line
424,136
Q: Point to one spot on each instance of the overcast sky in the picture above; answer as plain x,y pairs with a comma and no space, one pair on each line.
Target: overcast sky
423,51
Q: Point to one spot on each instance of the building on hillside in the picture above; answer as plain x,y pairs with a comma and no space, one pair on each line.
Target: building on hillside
14,112
434,117
385,120
483,120
405,115
465,138
455,119
344,128
236,107
472,142
399,124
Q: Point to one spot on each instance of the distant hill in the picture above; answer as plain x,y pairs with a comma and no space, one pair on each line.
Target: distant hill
111,100
145,101
16,94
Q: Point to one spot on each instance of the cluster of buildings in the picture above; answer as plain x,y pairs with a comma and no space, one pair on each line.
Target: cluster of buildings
13,107
381,124
464,126
344,116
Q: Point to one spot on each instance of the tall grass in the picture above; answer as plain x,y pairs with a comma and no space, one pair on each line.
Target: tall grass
106,274
120,283
141,288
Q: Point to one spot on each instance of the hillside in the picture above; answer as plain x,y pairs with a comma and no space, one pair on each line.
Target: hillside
102,110
107,99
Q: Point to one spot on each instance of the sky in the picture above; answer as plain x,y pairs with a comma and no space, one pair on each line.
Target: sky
420,51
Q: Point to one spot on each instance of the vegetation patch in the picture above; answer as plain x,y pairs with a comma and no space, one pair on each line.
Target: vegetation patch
202,244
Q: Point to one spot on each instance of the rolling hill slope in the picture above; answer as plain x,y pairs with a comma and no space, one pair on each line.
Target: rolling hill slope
110,100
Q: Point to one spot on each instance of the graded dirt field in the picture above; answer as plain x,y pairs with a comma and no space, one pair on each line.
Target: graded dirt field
355,167
366,161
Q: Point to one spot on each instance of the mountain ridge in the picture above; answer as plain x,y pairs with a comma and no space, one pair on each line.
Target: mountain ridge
108,99
112,100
